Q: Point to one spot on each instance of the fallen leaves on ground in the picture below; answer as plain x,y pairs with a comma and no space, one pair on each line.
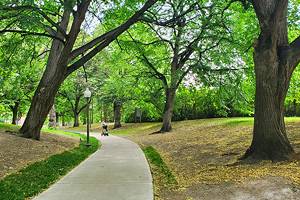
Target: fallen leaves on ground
206,152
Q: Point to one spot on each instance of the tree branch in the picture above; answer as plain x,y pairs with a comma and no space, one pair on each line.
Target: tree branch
42,13
68,98
110,36
294,56
22,32
158,74
169,22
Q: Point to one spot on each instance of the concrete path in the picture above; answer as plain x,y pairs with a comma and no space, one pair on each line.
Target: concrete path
118,171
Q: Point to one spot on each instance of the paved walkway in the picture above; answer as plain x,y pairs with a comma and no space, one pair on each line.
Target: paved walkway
118,171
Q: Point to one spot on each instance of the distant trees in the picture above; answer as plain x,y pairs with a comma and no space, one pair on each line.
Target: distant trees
72,90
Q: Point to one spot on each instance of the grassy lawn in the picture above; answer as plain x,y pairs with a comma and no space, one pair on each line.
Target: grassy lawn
38,176
203,157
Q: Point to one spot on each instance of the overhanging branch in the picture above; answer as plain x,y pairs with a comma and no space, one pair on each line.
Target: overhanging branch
110,36
22,32
294,56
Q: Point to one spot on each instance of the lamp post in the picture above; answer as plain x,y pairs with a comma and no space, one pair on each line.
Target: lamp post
87,94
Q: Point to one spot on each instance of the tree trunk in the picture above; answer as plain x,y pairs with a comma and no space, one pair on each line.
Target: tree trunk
52,118
63,122
294,108
273,73
76,120
117,113
168,110
15,109
41,104
269,134
57,119
52,78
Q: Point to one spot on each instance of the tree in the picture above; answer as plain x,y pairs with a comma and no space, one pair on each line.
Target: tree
63,59
120,83
185,33
275,59
72,90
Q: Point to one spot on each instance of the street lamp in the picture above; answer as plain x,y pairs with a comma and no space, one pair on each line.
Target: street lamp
87,94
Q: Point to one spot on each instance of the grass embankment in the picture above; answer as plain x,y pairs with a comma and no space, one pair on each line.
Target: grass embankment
205,152
162,176
38,176
156,161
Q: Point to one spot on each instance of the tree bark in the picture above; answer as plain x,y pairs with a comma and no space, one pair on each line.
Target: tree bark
76,120
273,73
168,110
117,114
41,104
15,110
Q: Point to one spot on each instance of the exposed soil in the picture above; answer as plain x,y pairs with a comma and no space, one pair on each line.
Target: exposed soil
16,152
203,156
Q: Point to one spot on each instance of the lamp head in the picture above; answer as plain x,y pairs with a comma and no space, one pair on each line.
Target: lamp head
87,93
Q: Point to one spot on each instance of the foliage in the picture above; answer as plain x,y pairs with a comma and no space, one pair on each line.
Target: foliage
20,66
222,84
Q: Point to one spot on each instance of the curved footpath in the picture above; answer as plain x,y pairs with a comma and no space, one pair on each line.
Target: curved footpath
117,171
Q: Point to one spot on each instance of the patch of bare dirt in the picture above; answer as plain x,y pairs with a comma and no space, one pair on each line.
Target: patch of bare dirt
16,152
268,188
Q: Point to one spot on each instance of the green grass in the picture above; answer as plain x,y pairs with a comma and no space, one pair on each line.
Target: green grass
9,127
38,176
62,132
138,128
155,159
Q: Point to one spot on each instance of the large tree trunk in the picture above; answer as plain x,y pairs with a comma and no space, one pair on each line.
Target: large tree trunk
168,110
52,78
76,120
273,73
41,104
269,134
15,110
117,113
